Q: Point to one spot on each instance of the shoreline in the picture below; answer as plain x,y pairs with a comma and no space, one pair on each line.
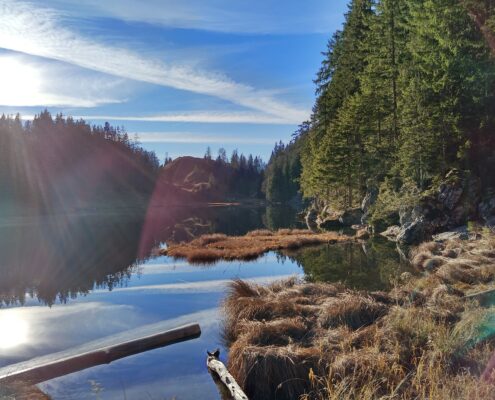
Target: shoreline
429,337
217,247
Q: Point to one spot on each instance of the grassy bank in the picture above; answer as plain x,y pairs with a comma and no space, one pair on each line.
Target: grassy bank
424,339
216,247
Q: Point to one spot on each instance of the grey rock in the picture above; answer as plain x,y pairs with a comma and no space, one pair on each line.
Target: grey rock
412,233
391,233
486,210
351,217
369,199
330,223
458,233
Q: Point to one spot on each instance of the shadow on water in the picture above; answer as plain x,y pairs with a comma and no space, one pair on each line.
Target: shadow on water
54,258
371,265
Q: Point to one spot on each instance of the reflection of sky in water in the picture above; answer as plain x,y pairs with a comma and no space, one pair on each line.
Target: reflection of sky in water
160,290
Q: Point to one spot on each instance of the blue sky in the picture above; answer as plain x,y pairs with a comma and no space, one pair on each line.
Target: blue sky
181,74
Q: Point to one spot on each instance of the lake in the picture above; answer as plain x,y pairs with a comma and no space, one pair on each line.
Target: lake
75,281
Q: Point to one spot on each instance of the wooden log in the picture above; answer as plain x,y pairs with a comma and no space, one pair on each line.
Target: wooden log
106,355
485,298
215,366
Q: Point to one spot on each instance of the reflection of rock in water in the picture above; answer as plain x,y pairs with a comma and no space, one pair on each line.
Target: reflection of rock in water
371,265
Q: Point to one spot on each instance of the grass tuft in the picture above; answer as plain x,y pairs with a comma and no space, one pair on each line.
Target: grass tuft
422,340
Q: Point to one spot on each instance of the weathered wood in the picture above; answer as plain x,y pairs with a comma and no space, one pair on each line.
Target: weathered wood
105,355
215,366
485,298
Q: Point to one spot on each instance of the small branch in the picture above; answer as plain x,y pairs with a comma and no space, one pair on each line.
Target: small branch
216,367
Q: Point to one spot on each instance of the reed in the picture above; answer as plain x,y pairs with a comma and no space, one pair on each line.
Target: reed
211,248
424,339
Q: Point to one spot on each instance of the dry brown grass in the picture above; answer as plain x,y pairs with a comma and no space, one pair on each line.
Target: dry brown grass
21,391
422,340
211,248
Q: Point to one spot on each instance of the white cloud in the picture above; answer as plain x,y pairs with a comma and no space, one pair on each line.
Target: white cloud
228,16
199,116
188,137
196,287
27,81
27,28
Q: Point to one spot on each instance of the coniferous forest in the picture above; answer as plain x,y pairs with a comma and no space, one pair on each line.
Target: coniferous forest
405,94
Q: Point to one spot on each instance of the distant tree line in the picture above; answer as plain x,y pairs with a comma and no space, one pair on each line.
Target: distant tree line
282,175
52,162
247,172
405,93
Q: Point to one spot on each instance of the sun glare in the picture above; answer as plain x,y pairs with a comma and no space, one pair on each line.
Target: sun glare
20,82
13,330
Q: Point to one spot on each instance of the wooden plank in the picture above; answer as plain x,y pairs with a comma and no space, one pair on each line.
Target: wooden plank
215,366
106,355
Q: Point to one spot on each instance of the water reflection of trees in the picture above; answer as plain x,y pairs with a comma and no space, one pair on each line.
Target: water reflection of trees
56,258
371,265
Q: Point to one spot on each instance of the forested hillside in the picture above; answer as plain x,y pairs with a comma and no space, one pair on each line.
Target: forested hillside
60,163
405,93
205,179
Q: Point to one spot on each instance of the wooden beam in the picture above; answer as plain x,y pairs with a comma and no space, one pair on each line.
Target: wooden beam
215,366
106,355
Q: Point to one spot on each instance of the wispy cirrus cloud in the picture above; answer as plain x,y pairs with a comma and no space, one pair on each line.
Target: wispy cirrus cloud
213,117
189,137
28,28
227,16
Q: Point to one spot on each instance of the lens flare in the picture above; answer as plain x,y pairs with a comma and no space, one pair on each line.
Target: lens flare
13,330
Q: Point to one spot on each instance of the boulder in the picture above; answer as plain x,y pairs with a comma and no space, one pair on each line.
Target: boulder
330,223
487,210
391,233
413,233
461,233
351,217
362,234
443,209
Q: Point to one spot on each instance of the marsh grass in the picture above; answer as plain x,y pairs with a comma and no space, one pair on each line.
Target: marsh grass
21,391
422,340
211,248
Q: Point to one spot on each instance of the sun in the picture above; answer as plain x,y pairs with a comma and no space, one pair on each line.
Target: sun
19,82
13,330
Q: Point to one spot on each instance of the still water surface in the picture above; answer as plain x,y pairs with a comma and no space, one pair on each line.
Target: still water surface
79,281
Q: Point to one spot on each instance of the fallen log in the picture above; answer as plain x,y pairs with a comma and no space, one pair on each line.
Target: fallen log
485,298
106,355
215,366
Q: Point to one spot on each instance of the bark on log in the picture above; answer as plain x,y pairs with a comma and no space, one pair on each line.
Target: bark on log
215,366
105,355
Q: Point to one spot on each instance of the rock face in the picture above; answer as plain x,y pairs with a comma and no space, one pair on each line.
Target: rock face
351,217
451,205
487,210
461,233
362,234
329,223
391,233
368,200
